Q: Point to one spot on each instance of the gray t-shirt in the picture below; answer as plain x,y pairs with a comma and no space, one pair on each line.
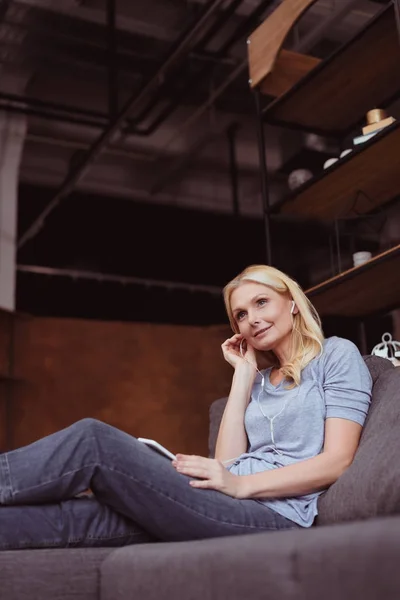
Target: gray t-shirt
335,384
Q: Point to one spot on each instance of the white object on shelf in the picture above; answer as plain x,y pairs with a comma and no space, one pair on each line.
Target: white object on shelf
328,163
389,349
360,139
345,152
298,177
359,258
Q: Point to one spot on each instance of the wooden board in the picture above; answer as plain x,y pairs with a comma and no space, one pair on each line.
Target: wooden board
266,41
374,287
337,94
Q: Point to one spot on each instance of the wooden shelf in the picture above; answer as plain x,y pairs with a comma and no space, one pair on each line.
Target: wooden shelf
335,96
361,291
372,167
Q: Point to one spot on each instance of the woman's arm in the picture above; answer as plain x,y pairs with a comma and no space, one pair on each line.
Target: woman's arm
304,477
232,438
341,441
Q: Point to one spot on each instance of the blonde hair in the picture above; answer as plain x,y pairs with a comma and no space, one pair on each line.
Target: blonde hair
307,335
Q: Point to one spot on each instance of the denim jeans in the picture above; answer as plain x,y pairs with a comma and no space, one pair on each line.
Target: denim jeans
138,495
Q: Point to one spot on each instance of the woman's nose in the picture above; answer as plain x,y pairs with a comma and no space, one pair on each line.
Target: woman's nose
253,319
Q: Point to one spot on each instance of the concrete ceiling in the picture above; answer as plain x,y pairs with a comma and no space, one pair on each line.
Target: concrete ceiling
55,52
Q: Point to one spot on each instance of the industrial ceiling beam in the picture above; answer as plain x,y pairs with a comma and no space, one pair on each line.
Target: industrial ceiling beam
78,171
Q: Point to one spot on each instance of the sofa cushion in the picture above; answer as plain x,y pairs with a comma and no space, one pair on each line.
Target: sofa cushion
216,411
339,562
52,574
377,365
371,485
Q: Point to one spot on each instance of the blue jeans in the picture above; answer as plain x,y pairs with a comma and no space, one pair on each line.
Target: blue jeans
138,495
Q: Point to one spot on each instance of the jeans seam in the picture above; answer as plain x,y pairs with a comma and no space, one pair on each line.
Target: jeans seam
5,468
108,537
192,509
35,487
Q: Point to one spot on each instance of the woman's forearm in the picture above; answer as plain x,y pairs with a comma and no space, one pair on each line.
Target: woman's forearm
232,439
301,478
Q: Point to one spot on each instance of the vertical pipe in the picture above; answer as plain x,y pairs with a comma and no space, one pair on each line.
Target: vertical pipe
337,237
112,70
233,169
263,176
362,336
396,5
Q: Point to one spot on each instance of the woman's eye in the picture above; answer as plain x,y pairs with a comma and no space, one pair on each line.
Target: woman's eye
240,315
262,301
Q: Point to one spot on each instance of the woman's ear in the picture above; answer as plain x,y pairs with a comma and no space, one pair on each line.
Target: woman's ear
293,309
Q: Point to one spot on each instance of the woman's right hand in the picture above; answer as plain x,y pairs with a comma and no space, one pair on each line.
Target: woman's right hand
231,351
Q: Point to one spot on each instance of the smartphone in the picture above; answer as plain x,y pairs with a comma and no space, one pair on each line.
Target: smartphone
158,447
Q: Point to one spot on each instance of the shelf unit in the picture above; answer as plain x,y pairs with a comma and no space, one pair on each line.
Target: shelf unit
359,182
331,97
344,295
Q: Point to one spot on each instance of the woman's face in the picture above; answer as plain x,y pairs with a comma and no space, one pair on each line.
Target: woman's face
262,316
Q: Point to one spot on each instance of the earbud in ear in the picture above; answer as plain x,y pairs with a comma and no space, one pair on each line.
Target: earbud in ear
293,305
240,347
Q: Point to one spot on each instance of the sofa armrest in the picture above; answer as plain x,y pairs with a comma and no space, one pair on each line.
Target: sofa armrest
216,411
348,561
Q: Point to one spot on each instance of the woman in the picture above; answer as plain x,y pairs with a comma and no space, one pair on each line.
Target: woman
290,428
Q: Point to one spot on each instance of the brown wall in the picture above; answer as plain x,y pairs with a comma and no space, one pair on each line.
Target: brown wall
6,322
154,381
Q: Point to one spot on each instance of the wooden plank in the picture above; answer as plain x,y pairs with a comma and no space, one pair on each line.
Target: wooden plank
358,292
266,41
290,67
372,167
336,96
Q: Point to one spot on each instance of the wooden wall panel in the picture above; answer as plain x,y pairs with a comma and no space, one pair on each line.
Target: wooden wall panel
150,380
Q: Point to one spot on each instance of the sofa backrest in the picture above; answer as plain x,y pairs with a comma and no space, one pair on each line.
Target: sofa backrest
371,485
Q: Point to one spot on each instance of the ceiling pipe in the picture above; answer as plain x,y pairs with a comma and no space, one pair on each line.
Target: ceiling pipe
225,15
124,280
79,171
75,115
244,28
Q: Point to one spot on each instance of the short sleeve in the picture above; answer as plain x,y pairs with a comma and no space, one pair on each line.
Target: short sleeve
347,382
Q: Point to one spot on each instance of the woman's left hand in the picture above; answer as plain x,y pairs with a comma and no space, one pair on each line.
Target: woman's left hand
211,473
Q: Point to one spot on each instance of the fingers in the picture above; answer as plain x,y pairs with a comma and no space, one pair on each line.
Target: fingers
233,341
204,484
195,466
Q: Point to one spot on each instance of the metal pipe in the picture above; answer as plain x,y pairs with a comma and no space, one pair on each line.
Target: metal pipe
77,145
25,110
78,172
201,44
396,6
124,280
112,71
263,176
195,78
209,102
53,106
182,162
233,168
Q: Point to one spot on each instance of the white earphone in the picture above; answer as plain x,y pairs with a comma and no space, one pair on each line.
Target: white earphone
293,305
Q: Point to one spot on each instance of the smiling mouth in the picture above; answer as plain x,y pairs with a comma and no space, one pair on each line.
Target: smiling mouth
262,331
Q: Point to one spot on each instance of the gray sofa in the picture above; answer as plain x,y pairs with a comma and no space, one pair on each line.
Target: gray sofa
353,551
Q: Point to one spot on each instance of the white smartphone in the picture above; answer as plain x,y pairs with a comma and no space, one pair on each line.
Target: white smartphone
159,447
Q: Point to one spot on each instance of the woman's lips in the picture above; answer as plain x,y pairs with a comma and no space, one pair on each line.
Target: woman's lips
262,331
